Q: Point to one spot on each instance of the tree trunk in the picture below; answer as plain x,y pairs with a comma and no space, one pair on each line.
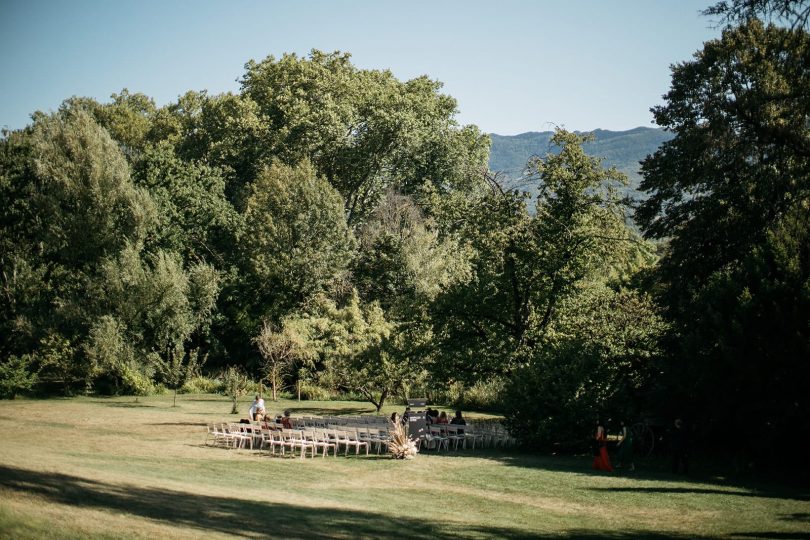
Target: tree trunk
274,383
174,403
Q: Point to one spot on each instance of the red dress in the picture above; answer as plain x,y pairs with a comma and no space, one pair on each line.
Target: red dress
602,461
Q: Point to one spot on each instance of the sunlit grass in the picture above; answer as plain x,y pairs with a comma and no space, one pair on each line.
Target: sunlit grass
113,467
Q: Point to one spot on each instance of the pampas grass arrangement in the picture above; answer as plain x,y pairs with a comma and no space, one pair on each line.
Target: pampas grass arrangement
401,447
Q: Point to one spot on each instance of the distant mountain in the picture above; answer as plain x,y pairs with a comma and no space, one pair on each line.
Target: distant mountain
620,149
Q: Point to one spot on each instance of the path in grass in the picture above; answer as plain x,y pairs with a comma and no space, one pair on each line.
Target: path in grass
113,468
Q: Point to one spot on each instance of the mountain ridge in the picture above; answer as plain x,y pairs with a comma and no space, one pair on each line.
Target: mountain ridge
621,149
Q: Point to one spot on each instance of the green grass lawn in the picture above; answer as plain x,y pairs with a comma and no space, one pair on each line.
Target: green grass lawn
116,468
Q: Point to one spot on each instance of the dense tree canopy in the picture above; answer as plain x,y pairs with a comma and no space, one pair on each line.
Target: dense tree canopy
731,193
336,227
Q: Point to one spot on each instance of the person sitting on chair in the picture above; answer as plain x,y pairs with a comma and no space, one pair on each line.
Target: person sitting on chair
286,422
458,419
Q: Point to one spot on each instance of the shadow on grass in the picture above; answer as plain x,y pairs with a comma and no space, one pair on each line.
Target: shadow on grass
250,518
771,534
704,491
799,516
130,405
659,472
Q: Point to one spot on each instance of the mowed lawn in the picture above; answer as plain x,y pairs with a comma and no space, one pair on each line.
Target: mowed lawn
116,468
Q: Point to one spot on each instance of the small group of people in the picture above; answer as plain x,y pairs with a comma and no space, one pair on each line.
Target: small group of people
601,459
432,416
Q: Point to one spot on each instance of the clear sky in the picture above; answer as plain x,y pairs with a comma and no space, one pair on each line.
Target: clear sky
513,66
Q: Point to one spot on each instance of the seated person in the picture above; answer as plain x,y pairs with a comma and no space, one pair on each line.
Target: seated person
394,417
285,422
442,418
458,419
406,415
431,416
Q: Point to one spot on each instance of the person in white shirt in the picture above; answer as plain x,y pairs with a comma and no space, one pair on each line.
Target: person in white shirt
257,410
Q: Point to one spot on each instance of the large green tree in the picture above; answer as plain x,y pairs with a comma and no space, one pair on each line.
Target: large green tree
350,341
364,130
69,204
731,193
525,265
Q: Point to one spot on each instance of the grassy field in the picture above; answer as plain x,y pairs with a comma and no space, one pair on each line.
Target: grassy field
117,468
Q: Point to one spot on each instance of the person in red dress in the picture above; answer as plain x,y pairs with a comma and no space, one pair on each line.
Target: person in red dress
601,459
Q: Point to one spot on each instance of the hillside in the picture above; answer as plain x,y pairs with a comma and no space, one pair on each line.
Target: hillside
621,149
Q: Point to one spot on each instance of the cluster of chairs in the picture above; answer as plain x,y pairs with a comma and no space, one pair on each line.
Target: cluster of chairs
299,440
312,435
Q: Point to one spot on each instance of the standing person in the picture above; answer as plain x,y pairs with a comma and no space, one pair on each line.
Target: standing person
680,448
625,447
601,459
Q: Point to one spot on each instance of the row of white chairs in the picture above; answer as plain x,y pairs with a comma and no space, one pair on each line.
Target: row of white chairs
435,436
279,440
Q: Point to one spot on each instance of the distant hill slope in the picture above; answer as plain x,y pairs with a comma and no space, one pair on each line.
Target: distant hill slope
621,149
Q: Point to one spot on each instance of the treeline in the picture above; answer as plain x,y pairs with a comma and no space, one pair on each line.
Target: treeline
336,230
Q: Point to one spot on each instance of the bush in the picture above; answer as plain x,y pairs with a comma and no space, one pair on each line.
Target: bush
310,390
548,404
126,380
202,385
16,376
483,395
118,367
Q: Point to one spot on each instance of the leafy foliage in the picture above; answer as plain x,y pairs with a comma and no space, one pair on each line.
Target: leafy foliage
236,384
281,350
731,192
16,376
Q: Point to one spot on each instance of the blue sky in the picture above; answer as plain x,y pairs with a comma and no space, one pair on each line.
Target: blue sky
513,66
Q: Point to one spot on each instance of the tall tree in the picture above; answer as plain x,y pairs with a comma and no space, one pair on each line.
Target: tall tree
730,192
796,13
524,265
71,204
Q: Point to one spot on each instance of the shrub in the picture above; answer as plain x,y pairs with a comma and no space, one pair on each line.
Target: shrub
118,367
548,404
16,376
202,385
483,395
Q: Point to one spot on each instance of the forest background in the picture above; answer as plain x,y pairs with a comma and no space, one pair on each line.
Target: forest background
334,230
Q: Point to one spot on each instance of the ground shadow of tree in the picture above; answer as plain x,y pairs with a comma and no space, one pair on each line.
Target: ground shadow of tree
784,495
256,519
654,472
